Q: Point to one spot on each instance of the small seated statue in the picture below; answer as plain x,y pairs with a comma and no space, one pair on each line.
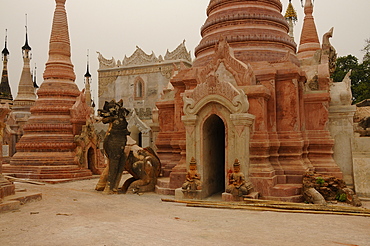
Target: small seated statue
238,186
192,182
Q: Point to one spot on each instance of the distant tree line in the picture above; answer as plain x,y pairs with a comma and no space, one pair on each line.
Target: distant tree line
360,73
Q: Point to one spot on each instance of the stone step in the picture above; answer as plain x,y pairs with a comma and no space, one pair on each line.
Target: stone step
13,202
163,182
164,191
9,206
286,190
24,197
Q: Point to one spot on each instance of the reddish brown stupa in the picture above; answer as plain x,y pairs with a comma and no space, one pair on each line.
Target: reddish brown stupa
245,99
47,148
255,31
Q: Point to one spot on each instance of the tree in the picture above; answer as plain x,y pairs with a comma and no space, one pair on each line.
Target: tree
360,76
343,65
366,49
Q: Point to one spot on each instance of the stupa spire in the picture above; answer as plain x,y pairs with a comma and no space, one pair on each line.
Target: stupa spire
88,83
59,65
47,148
5,92
309,43
26,94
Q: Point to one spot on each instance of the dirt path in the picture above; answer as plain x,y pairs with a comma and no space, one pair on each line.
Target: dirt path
75,214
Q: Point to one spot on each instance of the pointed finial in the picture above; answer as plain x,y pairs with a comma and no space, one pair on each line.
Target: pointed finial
308,7
35,78
87,74
26,46
5,51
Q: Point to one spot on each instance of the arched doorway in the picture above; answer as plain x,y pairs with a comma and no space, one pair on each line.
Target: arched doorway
213,155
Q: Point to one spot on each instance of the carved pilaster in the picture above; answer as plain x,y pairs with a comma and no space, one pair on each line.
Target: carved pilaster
341,129
242,123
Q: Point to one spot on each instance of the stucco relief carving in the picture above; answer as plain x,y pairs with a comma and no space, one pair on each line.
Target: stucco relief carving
139,57
104,83
167,71
218,83
288,113
179,53
166,120
224,58
104,62
235,101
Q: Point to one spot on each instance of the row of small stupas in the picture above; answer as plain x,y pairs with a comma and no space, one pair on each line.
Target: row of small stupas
21,110
24,100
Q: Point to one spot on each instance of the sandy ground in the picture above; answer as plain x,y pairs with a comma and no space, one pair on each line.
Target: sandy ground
75,214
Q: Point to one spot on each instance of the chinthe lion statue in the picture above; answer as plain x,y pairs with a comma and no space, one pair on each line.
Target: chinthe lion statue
124,155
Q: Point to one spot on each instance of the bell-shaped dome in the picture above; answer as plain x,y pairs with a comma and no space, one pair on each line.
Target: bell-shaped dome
255,29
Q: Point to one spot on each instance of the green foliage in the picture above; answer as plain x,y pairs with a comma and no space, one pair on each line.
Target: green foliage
360,76
343,65
341,197
320,181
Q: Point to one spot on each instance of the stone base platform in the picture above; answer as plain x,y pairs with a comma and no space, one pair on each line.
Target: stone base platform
50,174
181,195
13,202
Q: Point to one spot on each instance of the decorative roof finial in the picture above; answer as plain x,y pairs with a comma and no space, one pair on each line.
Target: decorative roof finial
291,14
5,51
292,18
26,46
35,78
87,74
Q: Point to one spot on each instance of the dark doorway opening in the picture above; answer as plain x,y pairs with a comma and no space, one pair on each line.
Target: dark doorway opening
214,155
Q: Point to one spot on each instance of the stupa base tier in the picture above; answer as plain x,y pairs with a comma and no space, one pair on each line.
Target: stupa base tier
44,159
50,174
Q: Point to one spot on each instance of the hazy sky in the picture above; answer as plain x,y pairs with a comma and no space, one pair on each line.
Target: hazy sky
115,27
